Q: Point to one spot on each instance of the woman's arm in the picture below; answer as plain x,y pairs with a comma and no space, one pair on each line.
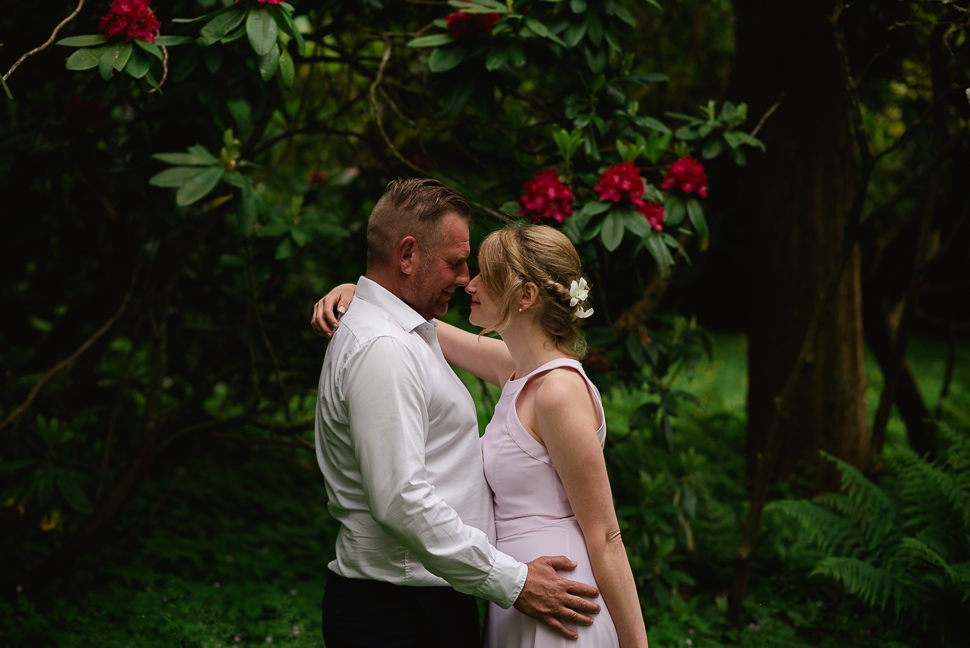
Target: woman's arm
485,357
566,420
327,310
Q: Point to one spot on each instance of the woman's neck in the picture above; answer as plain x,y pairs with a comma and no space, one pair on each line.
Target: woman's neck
529,346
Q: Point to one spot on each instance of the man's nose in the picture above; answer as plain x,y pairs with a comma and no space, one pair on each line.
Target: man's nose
463,275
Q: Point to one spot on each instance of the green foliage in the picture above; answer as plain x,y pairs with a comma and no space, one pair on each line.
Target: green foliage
906,542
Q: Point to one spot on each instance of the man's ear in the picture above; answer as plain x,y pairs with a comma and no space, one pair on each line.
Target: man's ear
407,255
530,293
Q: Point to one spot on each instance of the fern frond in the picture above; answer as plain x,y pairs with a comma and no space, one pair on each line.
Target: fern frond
962,572
874,585
832,533
861,490
923,552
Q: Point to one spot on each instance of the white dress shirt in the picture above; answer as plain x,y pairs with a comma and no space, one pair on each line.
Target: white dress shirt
397,441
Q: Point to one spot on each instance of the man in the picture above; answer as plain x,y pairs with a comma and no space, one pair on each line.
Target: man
397,441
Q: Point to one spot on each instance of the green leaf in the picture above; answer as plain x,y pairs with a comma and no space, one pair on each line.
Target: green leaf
750,141
151,48
222,24
635,222
457,96
596,60
269,63
651,122
107,61
445,58
611,40
186,159
712,148
644,79
660,253
198,185
201,151
612,231
656,4
285,22
208,16
6,88
675,211
479,6
287,69
497,57
175,176
578,6
262,32
594,27
740,157
172,41
675,244
594,207
82,41
285,249
686,133
246,215
13,466
517,54
543,31
574,34
138,64
621,12
85,59
434,40
72,493
696,214
124,53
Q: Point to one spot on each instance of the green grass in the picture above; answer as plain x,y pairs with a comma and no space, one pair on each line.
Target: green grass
240,547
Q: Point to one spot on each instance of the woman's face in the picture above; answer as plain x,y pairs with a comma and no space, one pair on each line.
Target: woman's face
485,312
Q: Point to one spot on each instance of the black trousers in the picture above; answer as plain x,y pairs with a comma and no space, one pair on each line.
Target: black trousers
361,613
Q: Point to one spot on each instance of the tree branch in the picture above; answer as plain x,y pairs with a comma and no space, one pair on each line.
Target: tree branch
45,45
67,362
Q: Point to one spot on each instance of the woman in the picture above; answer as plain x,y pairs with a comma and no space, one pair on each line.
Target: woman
543,449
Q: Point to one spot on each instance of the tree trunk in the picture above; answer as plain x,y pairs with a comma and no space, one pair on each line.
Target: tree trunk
797,201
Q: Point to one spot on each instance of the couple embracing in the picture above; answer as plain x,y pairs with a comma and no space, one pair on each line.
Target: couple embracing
430,515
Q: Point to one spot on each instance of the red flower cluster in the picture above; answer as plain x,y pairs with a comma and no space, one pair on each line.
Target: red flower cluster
546,197
623,181
463,25
686,174
130,19
654,213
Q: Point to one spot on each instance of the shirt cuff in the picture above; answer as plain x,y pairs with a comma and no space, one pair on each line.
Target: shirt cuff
505,581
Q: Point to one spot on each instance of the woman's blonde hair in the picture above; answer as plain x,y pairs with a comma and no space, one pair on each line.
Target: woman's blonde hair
511,258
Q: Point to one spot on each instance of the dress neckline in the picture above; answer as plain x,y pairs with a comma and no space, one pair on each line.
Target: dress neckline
545,367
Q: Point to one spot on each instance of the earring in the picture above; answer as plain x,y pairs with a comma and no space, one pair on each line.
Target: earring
520,310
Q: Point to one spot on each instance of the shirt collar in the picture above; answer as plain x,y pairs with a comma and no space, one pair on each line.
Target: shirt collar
373,292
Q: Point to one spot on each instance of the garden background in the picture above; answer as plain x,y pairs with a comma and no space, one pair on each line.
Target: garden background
769,201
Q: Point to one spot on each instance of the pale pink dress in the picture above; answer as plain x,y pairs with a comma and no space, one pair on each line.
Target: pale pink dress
533,518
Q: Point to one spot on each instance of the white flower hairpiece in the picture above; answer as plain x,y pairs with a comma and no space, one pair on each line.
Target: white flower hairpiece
582,314
578,292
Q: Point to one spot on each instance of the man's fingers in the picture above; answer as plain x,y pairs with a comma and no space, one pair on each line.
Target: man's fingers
582,605
560,563
561,629
582,589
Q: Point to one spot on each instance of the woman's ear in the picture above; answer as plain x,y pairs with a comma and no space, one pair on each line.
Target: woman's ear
530,293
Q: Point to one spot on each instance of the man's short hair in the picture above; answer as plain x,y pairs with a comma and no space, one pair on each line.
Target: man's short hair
411,207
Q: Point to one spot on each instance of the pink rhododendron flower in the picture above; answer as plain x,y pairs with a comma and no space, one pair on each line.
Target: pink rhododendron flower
686,174
546,197
621,181
130,19
463,25
654,213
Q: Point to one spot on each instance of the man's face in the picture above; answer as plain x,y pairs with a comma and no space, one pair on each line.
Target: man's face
438,273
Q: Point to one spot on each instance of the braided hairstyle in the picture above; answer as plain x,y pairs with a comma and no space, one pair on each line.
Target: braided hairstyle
511,258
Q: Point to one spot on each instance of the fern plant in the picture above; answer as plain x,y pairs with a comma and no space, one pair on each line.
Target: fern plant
904,543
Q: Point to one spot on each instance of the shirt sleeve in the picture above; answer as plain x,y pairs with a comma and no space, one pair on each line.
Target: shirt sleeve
385,390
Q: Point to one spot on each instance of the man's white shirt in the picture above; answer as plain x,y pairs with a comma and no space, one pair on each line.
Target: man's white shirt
397,441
